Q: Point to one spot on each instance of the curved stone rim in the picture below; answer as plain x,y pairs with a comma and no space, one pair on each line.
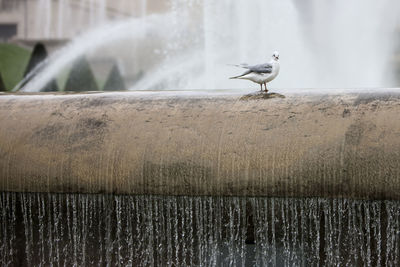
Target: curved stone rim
162,143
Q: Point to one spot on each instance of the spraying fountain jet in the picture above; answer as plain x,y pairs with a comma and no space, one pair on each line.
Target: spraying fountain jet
196,55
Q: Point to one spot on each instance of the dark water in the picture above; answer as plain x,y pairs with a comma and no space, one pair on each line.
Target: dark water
107,230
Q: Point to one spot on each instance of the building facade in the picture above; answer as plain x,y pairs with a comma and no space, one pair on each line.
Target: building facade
63,19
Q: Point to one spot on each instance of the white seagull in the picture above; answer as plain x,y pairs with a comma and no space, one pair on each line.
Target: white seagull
261,73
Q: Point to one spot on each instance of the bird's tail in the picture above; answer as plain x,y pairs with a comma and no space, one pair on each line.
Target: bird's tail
243,65
241,75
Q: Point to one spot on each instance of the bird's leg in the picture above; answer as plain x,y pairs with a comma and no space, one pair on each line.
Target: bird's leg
261,86
266,90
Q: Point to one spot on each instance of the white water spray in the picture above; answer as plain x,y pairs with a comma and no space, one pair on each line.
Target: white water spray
323,44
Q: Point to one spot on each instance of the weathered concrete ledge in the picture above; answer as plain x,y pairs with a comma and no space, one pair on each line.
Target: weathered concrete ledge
330,145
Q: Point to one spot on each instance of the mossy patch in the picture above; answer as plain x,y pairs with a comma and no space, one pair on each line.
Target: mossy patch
261,95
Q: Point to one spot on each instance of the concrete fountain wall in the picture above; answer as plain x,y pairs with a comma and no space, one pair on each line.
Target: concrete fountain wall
327,144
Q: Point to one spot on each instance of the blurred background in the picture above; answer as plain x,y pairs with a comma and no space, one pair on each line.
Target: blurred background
89,45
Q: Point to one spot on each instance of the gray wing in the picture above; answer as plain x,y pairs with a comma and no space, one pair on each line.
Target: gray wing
261,68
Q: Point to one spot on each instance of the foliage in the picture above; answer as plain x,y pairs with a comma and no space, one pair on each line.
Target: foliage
114,82
2,86
13,61
81,77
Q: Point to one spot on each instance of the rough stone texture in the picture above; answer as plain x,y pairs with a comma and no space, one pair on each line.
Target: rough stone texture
329,145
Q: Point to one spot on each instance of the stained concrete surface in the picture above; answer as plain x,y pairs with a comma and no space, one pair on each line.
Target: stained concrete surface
302,145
